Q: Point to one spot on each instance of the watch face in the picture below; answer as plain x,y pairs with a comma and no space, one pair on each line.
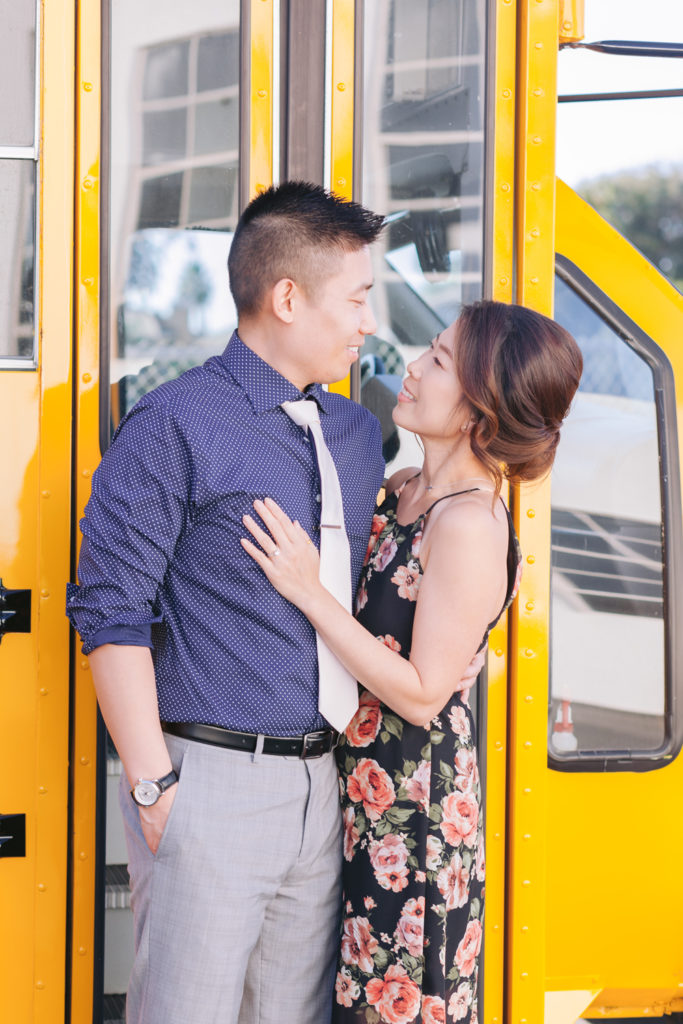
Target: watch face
146,792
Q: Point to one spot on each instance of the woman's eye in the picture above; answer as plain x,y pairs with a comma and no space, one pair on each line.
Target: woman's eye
436,360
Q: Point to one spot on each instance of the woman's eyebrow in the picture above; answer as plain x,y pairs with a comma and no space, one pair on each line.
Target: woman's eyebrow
442,348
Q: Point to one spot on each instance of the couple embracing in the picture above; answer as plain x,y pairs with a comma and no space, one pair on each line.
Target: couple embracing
254,655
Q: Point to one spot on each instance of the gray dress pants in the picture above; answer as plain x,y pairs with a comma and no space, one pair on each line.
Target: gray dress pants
237,915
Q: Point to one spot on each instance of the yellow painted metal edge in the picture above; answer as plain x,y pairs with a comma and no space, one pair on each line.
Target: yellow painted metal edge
54,455
571,21
87,456
342,113
535,230
613,1004
501,238
261,92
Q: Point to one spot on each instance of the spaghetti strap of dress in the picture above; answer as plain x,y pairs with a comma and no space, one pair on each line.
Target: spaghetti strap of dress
453,495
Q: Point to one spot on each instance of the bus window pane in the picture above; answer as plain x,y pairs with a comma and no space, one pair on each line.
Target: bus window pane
18,72
423,166
174,145
17,226
607,617
173,169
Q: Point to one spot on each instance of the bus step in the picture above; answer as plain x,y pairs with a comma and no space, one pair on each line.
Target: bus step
117,889
114,1009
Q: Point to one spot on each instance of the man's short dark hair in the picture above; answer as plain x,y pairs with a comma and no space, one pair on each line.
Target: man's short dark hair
294,230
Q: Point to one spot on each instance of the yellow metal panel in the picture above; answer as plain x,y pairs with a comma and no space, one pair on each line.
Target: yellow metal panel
87,456
261,93
571,20
607,927
35,418
536,101
502,220
342,111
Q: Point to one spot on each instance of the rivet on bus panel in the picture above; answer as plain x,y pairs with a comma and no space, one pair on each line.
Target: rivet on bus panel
503,281
528,698
496,835
536,186
498,745
539,46
82,950
533,280
45,593
85,664
530,605
83,855
88,281
87,183
496,927
499,652
530,513
524,974
507,93
526,881
43,691
341,86
537,140
45,494
567,26
86,378
262,93
341,182
528,653
531,559
528,744
87,86
527,790
85,760
505,187
40,984
42,790
535,233
85,473
524,928
42,887
527,836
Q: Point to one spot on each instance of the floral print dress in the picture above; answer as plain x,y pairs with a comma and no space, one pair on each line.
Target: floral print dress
413,866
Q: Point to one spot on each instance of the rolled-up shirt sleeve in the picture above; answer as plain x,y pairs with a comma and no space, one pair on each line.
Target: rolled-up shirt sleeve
139,506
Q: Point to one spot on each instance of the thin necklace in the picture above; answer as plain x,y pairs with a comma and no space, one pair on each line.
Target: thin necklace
456,483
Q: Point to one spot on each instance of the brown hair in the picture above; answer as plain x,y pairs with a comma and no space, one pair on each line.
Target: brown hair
518,371
295,230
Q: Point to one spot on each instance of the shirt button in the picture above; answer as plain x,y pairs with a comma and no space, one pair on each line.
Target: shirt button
318,498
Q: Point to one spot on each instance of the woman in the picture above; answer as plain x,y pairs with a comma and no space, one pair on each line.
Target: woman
487,400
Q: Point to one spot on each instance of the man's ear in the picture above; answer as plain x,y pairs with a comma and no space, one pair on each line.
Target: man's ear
283,299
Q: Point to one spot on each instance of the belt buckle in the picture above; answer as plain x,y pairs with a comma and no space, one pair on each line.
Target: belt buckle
315,744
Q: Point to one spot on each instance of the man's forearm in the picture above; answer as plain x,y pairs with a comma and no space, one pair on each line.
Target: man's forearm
126,692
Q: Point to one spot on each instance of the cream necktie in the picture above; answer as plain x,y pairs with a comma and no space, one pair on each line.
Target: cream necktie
337,689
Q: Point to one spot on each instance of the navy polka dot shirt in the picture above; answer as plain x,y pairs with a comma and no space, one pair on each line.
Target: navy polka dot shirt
161,562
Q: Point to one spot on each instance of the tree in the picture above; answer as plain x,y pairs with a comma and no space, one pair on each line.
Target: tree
646,206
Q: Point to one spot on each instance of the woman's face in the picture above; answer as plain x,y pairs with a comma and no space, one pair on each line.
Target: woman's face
430,400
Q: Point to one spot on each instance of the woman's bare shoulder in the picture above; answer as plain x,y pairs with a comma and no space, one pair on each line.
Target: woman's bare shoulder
399,477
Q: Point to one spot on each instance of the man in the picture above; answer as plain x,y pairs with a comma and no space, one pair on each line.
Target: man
200,667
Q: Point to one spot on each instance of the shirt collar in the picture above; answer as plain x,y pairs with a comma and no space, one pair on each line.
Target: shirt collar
263,385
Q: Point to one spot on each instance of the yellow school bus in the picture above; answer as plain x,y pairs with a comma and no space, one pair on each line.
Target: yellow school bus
133,133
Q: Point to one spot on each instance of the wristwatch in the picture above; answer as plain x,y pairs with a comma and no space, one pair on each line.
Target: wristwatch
146,792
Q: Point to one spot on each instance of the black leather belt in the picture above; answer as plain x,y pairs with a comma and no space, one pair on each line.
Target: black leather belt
312,744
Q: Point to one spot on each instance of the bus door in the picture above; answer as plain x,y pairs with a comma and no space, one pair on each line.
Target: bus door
36,214
614,900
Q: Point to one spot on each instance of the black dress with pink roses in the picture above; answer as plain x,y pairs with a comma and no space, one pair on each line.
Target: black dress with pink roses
413,833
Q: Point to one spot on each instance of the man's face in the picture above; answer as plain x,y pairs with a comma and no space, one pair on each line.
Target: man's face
332,322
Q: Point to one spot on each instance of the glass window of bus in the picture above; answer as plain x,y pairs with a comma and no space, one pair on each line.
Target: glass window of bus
620,154
610,546
18,164
174,139
423,166
171,208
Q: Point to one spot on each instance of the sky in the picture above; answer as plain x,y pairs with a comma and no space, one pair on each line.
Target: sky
603,138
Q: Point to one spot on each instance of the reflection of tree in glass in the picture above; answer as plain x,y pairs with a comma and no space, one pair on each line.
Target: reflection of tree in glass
145,259
194,291
646,206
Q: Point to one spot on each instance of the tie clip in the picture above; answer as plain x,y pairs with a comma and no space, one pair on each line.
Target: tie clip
329,526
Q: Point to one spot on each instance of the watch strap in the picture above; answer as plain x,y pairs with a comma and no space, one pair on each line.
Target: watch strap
168,780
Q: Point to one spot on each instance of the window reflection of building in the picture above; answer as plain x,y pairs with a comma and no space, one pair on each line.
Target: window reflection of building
423,166
174,176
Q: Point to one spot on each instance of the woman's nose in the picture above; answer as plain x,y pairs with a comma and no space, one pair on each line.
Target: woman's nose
413,369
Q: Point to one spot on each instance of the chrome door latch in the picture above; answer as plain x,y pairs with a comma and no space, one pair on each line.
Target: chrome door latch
15,611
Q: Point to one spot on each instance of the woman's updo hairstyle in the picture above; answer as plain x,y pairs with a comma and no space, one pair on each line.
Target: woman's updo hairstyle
519,371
